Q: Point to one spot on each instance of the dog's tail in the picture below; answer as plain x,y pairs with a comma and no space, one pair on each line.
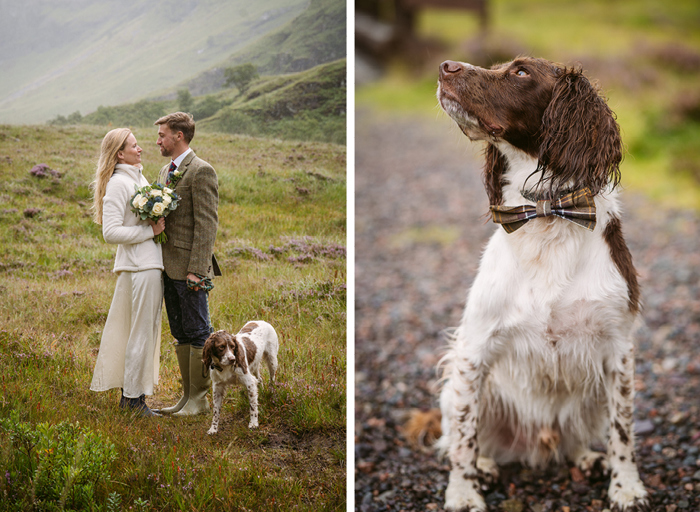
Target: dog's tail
423,428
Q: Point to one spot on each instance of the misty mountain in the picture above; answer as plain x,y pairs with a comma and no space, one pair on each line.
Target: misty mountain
61,56
317,36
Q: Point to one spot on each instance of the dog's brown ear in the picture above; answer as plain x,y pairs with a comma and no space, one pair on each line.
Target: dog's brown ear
206,351
494,170
580,141
238,351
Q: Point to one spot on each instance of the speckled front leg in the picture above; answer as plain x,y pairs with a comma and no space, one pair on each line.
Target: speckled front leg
627,493
218,392
462,492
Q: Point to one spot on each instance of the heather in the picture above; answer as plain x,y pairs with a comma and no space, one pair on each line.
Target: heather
281,245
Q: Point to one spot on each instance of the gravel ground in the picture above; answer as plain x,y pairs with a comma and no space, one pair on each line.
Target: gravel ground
419,234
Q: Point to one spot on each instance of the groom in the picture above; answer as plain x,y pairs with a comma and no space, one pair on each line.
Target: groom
188,256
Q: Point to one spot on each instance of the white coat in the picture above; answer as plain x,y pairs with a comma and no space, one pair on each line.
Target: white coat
137,250
129,355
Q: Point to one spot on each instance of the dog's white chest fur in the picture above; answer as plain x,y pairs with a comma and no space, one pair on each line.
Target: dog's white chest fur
545,323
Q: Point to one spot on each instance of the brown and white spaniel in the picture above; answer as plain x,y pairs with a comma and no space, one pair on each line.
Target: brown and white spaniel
238,358
541,366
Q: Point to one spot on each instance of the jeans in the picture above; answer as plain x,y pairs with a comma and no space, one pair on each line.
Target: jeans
188,312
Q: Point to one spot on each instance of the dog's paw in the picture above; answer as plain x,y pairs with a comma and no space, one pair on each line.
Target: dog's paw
627,494
253,424
212,431
462,494
488,469
590,462
639,505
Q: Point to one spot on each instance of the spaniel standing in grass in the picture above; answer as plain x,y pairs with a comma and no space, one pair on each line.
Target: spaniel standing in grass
238,358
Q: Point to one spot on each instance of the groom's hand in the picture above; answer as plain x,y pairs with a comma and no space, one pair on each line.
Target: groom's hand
192,277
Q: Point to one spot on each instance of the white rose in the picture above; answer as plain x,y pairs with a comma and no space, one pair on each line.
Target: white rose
136,199
168,191
158,209
142,202
166,200
156,193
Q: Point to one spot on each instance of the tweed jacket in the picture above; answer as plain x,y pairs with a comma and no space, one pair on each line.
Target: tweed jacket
191,227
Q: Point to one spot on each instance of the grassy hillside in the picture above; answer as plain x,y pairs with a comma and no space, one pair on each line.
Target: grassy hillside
281,246
307,106
644,54
59,57
316,36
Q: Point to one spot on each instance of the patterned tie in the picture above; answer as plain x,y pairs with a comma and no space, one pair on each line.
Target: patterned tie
577,206
171,169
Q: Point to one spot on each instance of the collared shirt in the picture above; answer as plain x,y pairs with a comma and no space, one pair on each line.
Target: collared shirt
179,159
163,176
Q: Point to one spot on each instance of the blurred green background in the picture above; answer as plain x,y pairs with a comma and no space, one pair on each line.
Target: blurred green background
644,54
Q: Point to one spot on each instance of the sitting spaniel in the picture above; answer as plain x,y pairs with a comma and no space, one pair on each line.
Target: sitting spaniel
541,366
238,358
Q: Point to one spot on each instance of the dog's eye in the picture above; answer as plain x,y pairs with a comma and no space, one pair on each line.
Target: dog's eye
522,72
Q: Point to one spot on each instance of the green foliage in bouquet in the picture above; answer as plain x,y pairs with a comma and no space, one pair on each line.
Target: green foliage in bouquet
153,202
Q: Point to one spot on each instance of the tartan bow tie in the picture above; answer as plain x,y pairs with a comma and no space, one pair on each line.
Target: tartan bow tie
577,206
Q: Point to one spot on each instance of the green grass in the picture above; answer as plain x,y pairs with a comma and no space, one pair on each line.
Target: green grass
643,53
594,27
281,246
310,105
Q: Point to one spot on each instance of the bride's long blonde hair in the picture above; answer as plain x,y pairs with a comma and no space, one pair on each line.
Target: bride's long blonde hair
113,143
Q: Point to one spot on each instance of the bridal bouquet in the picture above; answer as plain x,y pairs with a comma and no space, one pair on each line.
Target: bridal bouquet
153,202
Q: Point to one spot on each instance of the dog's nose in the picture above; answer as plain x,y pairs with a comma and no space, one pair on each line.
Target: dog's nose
450,67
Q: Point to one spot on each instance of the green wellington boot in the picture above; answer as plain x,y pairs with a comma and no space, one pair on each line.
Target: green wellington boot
183,360
199,385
